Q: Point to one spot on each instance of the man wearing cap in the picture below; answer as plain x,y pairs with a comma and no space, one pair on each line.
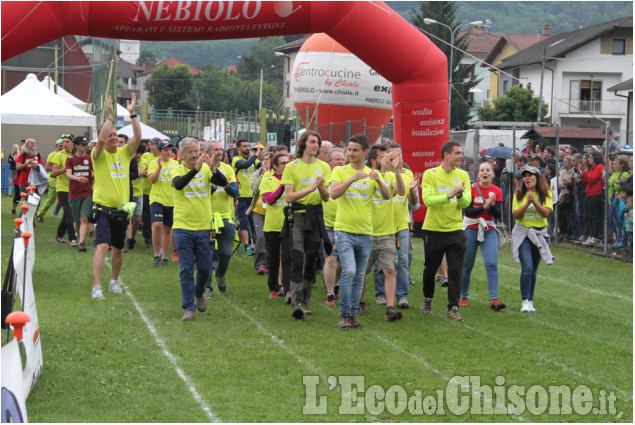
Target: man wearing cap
443,192
52,192
536,161
111,191
162,202
244,165
79,172
151,154
59,171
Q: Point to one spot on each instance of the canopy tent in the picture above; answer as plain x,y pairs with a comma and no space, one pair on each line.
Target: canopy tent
78,103
49,83
31,110
147,132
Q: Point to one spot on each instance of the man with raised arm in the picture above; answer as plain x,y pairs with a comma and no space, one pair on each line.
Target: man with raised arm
111,191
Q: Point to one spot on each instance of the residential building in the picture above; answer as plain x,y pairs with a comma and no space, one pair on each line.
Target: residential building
143,76
507,45
479,44
579,66
289,51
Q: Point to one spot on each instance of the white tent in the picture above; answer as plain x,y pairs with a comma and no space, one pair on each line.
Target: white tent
31,110
49,83
147,132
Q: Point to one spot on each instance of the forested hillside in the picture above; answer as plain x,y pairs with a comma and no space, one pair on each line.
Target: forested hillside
505,17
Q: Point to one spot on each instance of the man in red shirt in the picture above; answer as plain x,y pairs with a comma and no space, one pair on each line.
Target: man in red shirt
79,170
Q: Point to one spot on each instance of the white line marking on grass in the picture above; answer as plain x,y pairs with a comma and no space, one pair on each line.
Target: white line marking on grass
548,360
580,287
190,386
315,370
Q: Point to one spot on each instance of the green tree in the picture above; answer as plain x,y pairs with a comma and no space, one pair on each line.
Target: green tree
462,76
518,105
146,56
262,57
221,90
170,87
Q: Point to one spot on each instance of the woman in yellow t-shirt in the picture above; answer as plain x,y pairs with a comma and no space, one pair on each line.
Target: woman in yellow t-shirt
272,192
531,205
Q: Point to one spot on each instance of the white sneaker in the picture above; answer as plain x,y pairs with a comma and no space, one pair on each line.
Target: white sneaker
381,300
589,241
531,306
524,308
115,286
97,294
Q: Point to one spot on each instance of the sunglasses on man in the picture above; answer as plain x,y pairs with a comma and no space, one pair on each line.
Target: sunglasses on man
68,136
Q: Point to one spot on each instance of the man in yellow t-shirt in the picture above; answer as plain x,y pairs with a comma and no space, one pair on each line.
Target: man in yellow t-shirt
137,196
443,191
334,158
222,202
67,224
151,154
402,223
191,182
384,249
354,186
162,202
245,165
305,183
111,190
52,192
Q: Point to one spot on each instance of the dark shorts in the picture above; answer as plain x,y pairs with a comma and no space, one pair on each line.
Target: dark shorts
81,207
241,212
111,233
160,213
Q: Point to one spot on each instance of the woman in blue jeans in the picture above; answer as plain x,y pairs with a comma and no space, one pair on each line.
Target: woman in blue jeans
480,229
530,241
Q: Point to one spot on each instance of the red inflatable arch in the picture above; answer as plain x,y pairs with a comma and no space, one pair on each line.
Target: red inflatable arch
371,30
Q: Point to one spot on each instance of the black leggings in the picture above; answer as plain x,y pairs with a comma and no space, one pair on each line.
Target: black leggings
67,223
277,245
595,215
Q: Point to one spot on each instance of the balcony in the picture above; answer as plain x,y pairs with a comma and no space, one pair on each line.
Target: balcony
597,107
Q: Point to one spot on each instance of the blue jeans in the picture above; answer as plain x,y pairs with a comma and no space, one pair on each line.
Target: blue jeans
489,250
529,260
403,268
192,247
353,251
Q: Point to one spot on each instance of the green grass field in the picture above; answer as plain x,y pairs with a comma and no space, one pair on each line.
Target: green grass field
131,358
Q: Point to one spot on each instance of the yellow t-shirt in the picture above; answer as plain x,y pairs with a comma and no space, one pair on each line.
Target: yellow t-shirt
302,175
444,215
532,217
243,177
354,206
111,186
192,209
222,203
52,180
62,181
147,184
162,187
329,210
274,218
382,209
400,203
137,184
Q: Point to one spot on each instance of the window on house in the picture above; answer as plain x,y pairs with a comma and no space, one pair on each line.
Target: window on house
288,90
586,96
505,86
619,46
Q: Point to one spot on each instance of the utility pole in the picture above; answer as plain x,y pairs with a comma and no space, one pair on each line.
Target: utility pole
542,78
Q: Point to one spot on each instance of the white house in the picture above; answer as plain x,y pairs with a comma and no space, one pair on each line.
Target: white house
579,67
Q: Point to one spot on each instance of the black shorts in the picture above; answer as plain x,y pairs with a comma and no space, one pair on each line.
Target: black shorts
108,232
161,213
